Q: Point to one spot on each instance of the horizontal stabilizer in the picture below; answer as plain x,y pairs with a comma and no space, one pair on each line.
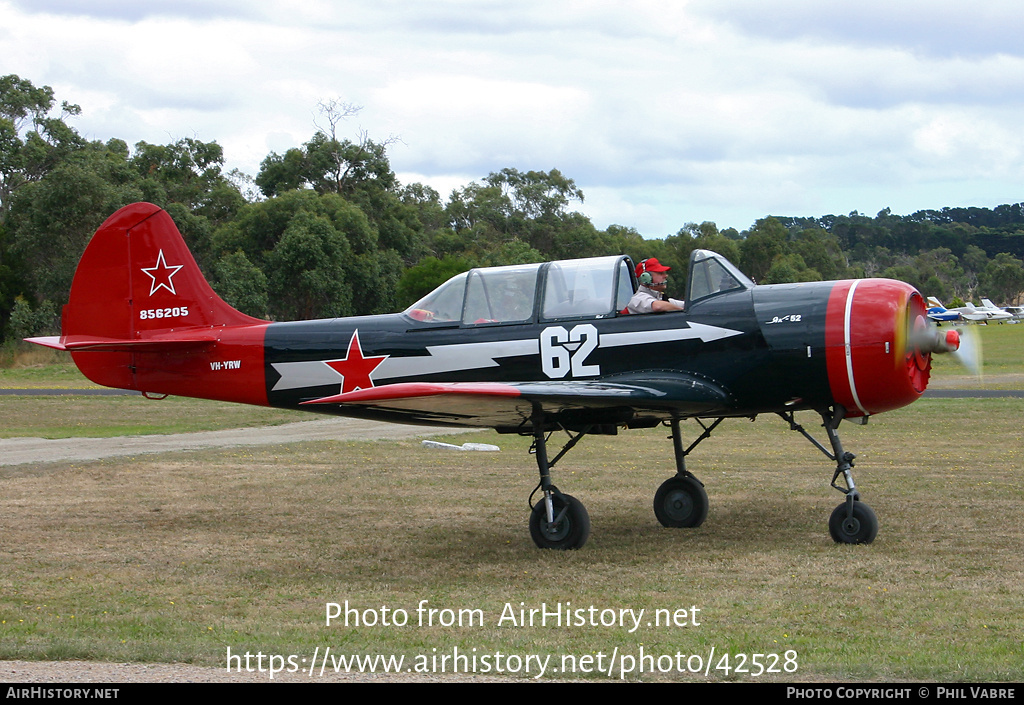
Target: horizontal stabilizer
49,341
158,343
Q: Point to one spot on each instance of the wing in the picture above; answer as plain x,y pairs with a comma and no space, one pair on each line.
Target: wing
509,406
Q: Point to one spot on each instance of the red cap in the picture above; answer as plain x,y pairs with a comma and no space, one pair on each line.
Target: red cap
651,265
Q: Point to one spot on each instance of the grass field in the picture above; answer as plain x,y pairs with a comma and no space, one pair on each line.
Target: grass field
180,556
1003,349
102,417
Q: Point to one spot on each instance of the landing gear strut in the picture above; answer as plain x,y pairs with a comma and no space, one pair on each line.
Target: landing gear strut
853,521
681,501
558,521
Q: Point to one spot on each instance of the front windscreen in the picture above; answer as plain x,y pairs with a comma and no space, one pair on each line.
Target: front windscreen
442,304
711,273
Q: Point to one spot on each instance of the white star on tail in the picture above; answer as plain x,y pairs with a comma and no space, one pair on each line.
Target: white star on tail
161,275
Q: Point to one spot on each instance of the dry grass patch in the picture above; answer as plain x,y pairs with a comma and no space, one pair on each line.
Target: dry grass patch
177,557
104,417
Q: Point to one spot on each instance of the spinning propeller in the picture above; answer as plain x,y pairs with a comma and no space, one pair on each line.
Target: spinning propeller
969,353
963,343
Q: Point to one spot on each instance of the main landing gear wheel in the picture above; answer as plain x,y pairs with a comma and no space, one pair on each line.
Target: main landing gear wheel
681,502
857,526
570,528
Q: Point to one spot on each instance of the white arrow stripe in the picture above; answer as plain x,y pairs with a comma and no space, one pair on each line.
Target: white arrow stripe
451,358
704,332
314,373
441,358
475,356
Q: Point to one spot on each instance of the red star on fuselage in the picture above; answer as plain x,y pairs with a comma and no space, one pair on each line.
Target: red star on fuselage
161,275
355,369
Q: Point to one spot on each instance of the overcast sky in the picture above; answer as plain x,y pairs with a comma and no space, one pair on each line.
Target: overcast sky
663,112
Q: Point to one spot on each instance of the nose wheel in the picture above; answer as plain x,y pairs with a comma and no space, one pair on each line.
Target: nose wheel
853,522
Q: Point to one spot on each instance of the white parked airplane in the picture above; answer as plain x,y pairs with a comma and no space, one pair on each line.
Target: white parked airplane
996,313
1016,311
976,314
1003,313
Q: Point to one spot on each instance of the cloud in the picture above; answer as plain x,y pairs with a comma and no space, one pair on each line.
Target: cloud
127,11
940,28
663,112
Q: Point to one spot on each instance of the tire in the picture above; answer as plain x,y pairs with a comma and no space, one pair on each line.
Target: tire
862,527
568,533
681,502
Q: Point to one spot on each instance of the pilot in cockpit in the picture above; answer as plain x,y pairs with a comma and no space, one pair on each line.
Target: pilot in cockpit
650,295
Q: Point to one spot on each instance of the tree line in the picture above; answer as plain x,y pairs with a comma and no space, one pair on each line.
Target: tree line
326,229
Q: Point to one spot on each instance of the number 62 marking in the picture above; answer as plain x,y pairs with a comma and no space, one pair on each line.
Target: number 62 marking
562,351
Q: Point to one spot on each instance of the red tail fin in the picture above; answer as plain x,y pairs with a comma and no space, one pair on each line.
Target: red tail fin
137,278
141,314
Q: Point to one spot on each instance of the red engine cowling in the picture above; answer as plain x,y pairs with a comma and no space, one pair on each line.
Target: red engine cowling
878,345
